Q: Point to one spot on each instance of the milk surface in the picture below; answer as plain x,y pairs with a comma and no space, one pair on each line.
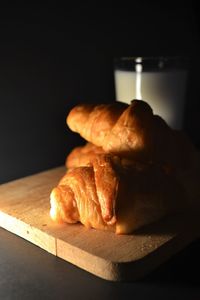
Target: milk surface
164,91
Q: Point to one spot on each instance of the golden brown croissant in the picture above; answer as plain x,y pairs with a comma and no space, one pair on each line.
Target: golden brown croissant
133,171
94,122
131,131
117,128
110,195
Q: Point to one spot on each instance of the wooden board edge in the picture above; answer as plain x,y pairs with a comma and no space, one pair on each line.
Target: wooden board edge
28,232
135,270
91,263
124,271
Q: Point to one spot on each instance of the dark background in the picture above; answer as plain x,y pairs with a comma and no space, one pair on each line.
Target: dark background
52,58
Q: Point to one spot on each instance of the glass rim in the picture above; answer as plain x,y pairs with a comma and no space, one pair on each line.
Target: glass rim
167,57
152,62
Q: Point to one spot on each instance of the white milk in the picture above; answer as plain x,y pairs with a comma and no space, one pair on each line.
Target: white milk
164,91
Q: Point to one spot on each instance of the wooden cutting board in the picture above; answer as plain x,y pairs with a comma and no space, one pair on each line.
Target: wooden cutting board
24,210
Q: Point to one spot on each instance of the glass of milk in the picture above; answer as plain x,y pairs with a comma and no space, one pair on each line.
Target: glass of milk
160,81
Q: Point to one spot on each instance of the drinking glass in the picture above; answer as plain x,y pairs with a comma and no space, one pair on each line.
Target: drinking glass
160,81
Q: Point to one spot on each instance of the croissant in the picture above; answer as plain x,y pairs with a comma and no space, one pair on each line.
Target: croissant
107,194
132,171
131,131
94,122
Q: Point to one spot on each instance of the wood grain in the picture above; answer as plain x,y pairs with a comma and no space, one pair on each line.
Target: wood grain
24,210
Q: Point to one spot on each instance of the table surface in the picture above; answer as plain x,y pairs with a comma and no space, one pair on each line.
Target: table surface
28,272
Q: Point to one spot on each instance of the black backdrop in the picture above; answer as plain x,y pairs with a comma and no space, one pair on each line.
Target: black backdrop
52,58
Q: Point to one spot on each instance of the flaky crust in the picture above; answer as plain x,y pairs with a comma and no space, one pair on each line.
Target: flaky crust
93,122
87,194
133,132
111,195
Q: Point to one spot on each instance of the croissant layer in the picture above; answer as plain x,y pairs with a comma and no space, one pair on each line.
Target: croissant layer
131,131
112,196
